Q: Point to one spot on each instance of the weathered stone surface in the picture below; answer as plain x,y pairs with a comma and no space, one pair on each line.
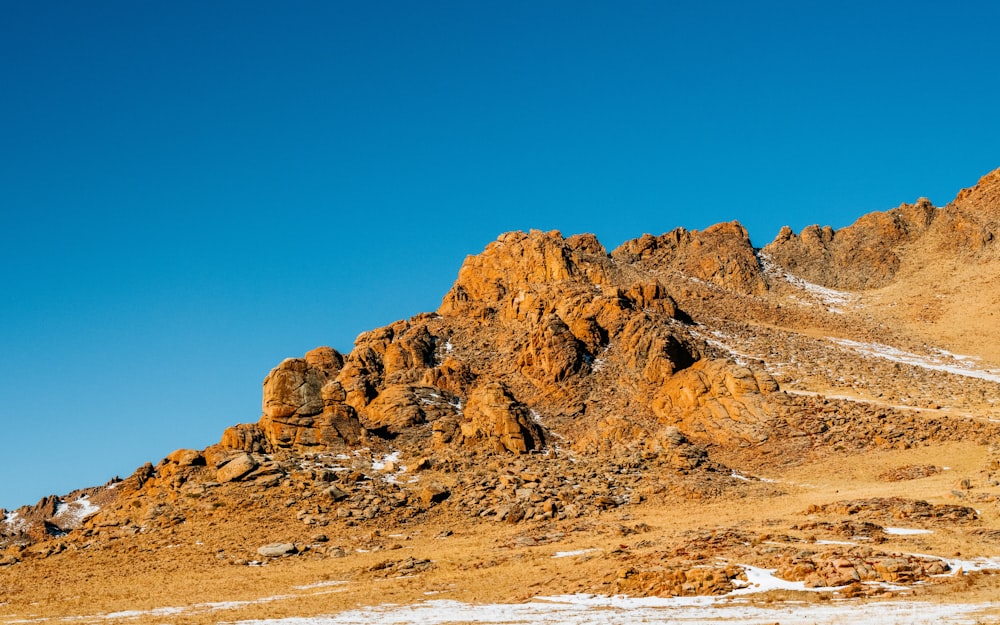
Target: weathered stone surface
238,466
863,255
293,388
721,254
553,353
245,436
889,509
859,564
503,279
303,406
277,550
186,457
400,406
717,401
494,417
433,493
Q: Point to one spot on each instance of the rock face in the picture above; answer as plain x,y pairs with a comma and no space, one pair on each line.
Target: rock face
557,382
717,401
721,254
303,406
863,255
494,415
874,250
530,327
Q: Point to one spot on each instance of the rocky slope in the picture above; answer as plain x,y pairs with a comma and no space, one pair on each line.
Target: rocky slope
558,382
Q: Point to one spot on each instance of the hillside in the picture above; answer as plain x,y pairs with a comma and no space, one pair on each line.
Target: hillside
669,418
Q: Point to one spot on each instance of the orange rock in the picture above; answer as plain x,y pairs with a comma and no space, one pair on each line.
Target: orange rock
494,417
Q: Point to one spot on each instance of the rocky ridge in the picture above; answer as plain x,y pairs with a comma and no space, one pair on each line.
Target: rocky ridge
558,382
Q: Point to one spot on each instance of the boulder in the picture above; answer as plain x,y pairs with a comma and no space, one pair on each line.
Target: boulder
303,407
277,550
238,466
293,389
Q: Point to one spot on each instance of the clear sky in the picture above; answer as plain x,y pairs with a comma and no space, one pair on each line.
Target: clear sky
192,191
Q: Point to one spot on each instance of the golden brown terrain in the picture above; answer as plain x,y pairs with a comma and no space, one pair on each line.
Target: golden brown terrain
661,420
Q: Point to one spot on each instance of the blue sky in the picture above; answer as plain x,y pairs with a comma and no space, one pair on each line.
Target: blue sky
192,191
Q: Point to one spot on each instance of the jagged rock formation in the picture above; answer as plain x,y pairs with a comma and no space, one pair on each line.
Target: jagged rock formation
721,254
863,255
872,251
528,325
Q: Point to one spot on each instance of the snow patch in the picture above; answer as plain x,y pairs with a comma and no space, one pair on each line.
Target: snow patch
319,585
831,298
905,531
569,554
70,515
378,465
948,363
618,610
14,522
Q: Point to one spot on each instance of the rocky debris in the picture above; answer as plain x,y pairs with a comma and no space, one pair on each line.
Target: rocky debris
721,254
889,509
277,550
844,529
858,565
433,493
400,568
679,581
910,472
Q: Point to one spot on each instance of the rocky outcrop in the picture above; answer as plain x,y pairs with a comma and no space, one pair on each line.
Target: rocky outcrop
721,254
863,255
303,406
399,407
494,416
874,250
718,401
506,278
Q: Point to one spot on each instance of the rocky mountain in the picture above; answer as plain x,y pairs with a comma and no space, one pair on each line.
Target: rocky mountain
559,383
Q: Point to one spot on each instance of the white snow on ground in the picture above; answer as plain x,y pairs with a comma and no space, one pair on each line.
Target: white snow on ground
319,585
600,610
762,580
905,531
69,515
831,298
948,363
378,465
568,554
14,522
714,339
583,609
957,565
